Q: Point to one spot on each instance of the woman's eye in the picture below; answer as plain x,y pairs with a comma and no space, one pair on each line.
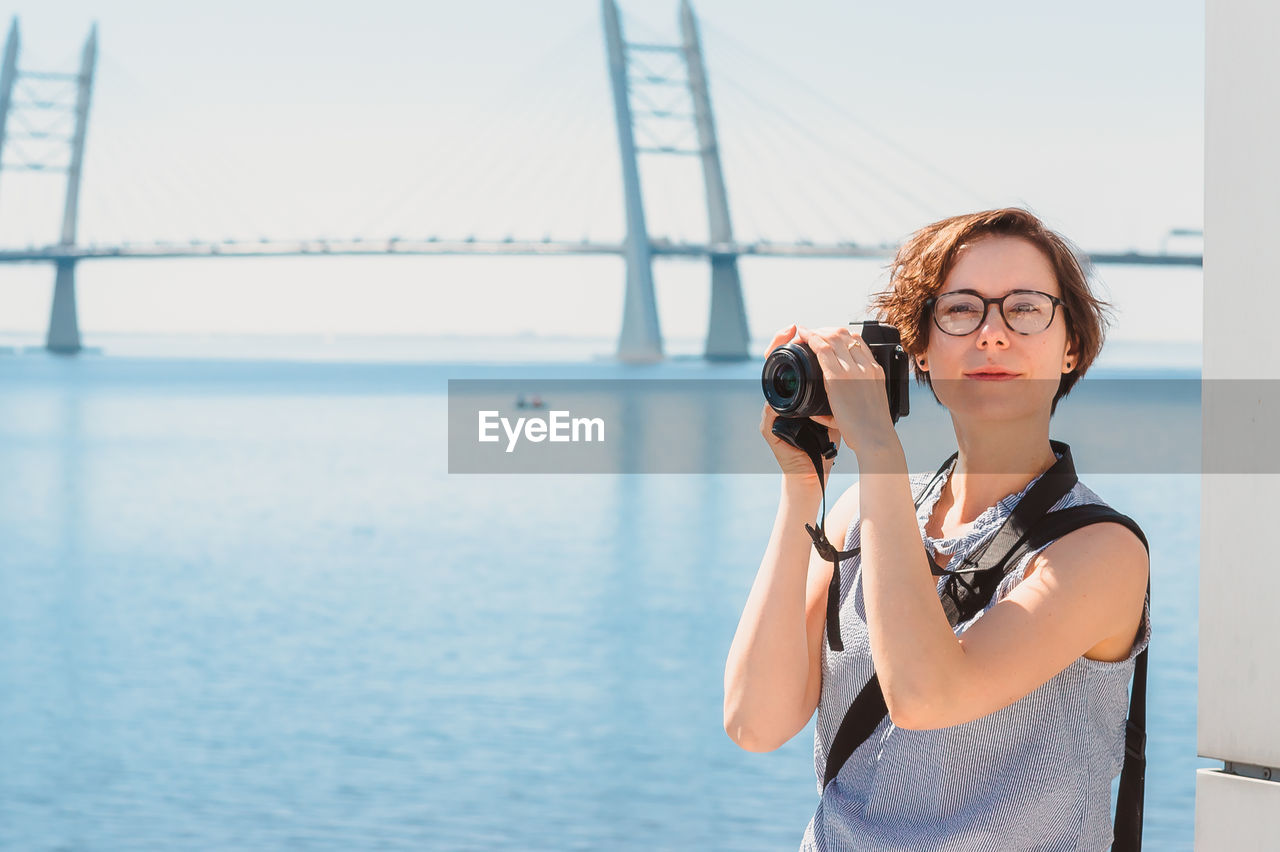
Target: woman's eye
959,310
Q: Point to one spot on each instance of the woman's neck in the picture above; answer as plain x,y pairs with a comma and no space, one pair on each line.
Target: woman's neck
994,461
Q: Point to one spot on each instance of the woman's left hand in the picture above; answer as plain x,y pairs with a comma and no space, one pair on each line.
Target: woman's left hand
854,382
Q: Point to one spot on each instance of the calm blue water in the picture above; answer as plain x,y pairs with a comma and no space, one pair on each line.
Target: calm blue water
244,606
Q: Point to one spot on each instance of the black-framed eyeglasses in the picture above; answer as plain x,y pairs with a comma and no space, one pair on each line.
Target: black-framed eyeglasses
961,312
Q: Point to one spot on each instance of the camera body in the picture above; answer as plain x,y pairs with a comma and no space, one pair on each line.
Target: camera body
792,378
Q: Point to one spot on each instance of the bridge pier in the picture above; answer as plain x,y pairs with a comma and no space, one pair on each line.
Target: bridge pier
64,325
640,340
727,335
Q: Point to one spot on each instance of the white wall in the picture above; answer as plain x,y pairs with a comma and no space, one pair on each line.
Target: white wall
1239,680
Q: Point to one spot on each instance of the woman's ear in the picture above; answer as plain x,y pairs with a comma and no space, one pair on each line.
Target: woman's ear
1071,358
922,362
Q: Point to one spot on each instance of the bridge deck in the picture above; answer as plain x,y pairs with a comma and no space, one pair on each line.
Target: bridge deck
353,247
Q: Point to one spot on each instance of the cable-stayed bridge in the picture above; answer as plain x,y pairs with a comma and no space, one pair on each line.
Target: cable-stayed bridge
661,109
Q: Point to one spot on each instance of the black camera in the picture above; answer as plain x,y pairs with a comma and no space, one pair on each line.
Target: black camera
793,385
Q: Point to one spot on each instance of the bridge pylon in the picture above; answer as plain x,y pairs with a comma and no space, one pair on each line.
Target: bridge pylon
727,335
641,337
64,330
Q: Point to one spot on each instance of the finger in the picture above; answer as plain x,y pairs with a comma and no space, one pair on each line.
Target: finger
834,335
862,354
839,350
781,337
850,345
767,419
784,334
833,355
854,343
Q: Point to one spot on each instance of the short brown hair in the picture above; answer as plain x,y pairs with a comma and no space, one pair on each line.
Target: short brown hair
924,260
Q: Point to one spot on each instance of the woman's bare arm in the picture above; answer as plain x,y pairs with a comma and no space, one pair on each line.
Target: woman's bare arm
773,675
1086,587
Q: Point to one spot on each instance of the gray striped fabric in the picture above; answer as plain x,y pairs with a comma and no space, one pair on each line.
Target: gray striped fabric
1035,775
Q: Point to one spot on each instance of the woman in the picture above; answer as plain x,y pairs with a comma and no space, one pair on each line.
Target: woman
1005,731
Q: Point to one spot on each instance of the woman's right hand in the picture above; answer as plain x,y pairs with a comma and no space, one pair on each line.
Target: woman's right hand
795,463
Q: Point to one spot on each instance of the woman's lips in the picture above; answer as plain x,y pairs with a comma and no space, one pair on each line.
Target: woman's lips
991,377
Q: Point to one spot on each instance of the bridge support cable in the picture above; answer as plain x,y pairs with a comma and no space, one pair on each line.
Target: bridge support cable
837,162
751,154
967,195
512,194
784,174
420,203
214,196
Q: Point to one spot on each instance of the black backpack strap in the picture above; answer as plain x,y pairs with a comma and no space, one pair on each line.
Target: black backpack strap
859,722
1129,800
988,564
869,708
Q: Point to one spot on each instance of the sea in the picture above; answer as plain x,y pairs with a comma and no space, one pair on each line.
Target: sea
244,604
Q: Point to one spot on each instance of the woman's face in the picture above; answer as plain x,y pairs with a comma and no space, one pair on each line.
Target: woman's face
993,266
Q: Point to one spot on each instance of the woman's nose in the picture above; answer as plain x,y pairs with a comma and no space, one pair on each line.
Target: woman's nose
993,331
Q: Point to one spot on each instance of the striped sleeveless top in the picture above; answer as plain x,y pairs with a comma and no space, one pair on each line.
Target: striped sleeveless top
1035,775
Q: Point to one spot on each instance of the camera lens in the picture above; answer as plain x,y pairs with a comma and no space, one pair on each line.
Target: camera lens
792,381
786,381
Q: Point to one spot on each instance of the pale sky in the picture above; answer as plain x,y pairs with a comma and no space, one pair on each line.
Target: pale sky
837,121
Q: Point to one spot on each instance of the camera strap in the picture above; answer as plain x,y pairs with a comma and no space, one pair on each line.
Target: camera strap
816,443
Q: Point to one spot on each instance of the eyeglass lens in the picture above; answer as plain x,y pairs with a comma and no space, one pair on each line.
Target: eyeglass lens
962,313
